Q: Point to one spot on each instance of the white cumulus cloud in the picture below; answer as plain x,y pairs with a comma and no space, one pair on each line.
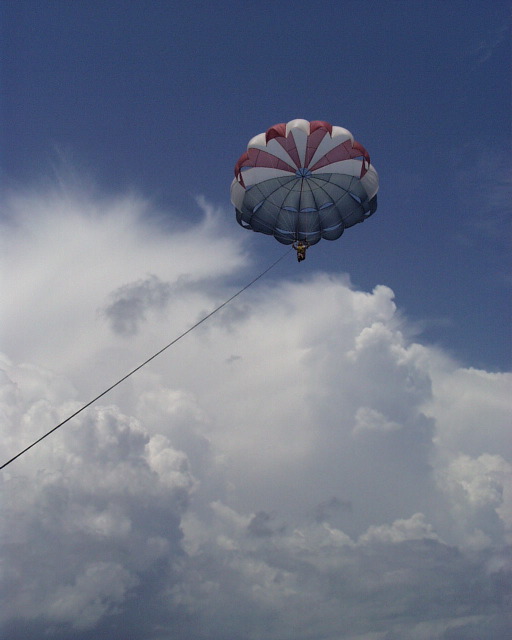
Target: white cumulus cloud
296,467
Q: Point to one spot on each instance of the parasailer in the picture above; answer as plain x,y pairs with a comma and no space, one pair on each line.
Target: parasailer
303,181
300,247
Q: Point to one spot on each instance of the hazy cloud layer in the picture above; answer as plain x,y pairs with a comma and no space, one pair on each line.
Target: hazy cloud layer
297,467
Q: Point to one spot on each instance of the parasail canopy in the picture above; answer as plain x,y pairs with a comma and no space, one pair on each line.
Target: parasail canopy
304,181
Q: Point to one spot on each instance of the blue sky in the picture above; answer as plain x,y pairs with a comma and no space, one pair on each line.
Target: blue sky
162,98
339,436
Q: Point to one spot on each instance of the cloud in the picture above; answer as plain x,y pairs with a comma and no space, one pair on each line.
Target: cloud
101,586
130,303
370,420
296,467
88,516
414,528
481,491
395,581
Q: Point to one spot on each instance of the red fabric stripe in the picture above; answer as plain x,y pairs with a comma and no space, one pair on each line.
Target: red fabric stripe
366,156
288,145
262,158
314,139
259,158
240,163
319,124
318,130
345,151
277,131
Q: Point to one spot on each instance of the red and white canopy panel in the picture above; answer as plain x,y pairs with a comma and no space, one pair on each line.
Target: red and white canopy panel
304,181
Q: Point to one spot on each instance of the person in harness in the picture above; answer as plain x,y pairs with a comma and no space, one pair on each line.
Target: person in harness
300,247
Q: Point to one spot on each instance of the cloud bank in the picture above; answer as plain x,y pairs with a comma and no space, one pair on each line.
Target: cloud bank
298,467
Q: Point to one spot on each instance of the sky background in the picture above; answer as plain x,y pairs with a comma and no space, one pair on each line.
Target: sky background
327,458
